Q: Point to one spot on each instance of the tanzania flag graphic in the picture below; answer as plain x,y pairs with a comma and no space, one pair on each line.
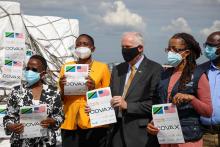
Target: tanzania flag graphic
158,110
92,95
70,69
2,111
28,53
26,110
8,62
9,34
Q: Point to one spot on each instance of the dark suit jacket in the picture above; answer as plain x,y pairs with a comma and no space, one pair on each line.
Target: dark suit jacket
140,96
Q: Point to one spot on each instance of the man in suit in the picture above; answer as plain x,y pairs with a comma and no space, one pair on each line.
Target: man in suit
133,86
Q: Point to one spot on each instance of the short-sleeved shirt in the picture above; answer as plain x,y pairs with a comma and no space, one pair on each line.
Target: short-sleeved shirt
214,82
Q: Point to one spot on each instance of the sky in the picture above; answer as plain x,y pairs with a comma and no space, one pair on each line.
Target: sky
156,20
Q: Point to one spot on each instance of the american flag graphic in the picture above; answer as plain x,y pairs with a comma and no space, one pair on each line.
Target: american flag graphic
19,35
104,92
81,68
39,109
169,109
17,63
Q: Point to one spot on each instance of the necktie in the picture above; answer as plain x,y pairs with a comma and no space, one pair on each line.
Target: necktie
127,85
133,71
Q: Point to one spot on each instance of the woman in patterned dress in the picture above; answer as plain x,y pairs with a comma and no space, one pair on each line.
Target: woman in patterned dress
34,92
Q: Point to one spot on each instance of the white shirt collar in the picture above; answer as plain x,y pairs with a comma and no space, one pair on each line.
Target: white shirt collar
138,63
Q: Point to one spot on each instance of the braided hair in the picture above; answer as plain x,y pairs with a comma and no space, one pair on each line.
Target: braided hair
195,52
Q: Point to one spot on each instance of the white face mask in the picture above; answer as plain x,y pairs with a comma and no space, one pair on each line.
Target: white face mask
83,52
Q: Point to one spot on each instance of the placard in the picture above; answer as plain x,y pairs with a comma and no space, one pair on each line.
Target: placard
76,79
12,58
31,116
2,114
101,111
165,117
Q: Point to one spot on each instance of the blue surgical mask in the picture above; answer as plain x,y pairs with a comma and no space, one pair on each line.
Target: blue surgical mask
174,59
31,77
210,52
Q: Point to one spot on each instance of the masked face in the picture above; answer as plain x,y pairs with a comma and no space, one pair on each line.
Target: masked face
210,52
34,71
130,53
31,77
83,52
174,59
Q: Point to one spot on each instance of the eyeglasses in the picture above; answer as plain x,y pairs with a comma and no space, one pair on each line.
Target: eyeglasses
175,49
211,45
33,69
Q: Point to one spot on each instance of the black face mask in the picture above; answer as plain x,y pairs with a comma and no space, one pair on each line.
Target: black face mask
130,53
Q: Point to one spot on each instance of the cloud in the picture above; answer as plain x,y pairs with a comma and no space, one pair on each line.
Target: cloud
215,1
207,1
178,25
117,14
215,27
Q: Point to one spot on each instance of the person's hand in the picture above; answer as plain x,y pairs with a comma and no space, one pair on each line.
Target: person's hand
62,82
17,128
90,83
47,122
152,129
87,109
180,98
118,101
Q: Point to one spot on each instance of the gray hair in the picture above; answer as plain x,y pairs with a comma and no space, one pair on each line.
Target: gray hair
138,38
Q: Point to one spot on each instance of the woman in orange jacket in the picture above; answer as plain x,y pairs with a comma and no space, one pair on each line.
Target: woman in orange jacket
76,130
